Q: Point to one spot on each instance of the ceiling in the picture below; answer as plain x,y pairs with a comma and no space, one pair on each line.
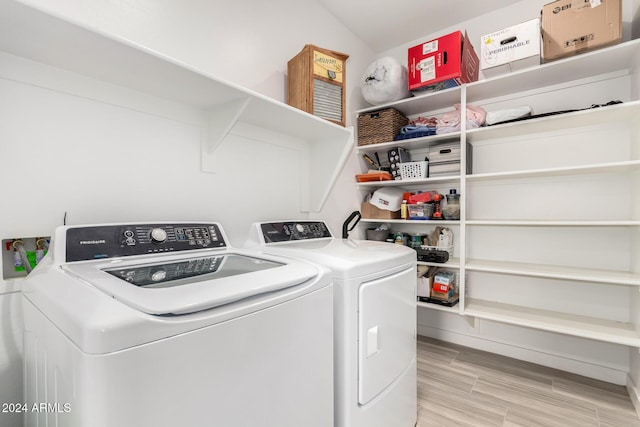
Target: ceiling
384,24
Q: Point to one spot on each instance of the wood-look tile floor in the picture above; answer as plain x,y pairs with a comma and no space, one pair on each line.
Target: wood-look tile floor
459,386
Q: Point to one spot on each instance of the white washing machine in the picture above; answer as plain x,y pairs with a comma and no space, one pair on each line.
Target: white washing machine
375,319
151,325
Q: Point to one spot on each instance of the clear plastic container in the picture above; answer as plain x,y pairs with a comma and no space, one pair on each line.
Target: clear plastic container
420,211
451,210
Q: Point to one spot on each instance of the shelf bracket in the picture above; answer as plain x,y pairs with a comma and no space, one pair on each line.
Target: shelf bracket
472,321
218,123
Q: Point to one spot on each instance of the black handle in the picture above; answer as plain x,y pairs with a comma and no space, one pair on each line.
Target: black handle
345,225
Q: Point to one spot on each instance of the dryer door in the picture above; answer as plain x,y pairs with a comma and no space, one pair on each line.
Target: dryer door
387,331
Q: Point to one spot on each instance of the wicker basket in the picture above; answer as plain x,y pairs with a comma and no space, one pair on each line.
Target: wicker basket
380,126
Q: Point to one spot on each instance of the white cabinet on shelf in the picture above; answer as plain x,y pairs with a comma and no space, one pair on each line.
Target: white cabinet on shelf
42,50
549,236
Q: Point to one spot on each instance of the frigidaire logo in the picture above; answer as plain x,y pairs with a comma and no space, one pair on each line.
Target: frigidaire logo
93,242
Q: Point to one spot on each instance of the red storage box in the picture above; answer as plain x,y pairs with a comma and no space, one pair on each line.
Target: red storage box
442,63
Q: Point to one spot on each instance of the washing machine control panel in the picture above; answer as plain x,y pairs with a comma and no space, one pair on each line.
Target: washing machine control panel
110,241
275,232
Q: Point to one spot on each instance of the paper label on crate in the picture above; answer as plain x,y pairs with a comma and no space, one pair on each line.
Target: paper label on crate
430,47
427,69
327,66
443,281
438,287
595,3
578,4
444,278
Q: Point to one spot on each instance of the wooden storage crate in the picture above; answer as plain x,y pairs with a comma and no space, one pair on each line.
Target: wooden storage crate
316,83
380,126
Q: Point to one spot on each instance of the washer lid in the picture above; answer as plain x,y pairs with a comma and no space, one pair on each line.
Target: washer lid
191,282
347,258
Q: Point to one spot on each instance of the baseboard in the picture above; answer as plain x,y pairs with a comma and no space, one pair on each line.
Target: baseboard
578,367
634,394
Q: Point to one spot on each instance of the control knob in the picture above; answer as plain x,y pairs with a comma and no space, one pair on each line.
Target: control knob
158,235
158,275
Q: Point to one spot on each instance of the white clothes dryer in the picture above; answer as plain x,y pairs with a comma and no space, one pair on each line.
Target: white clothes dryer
375,319
164,325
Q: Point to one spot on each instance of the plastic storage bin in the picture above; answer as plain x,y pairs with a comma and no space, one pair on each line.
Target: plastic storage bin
414,170
420,211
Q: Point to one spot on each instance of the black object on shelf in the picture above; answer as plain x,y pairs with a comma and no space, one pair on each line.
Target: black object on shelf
553,113
432,255
446,303
345,226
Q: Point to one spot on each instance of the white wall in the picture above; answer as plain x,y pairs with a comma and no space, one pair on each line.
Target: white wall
103,162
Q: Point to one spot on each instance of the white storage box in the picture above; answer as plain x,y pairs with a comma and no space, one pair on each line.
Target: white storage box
446,152
510,49
444,169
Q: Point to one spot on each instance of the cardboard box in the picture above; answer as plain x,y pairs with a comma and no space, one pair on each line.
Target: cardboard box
442,63
510,49
372,212
570,27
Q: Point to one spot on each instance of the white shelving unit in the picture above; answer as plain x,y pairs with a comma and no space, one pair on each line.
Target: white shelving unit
125,73
549,236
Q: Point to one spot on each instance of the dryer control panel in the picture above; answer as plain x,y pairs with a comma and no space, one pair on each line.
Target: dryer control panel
275,232
110,241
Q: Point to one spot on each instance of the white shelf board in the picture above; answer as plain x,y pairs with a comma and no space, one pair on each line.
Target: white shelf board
613,167
410,182
609,115
555,272
411,143
433,222
421,103
452,263
563,323
46,39
555,223
454,310
35,35
602,61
